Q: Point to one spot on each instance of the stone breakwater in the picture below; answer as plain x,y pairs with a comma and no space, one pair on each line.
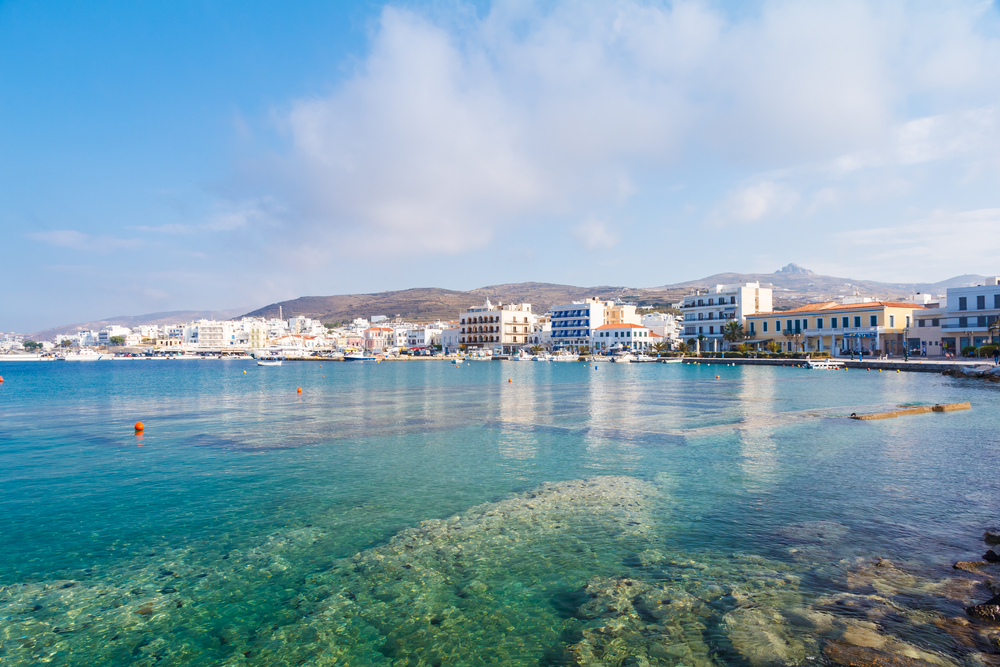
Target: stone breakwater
576,573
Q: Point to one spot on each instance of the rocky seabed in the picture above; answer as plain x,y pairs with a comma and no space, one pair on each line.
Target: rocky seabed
575,573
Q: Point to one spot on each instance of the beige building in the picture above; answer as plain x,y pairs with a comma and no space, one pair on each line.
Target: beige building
879,327
502,329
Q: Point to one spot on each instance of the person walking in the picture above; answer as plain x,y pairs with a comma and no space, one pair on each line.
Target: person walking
996,356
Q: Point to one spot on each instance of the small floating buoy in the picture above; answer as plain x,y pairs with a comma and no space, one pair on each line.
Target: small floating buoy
300,390
509,380
897,370
1,379
244,372
139,427
716,377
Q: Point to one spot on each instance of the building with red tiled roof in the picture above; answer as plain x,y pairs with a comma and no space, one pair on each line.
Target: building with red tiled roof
875,327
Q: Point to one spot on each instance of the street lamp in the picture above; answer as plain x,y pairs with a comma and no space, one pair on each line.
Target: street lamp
906,344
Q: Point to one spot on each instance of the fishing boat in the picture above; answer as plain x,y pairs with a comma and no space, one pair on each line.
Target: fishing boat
672,360
622,358
825,364
565,357
643,359
359,357
269,361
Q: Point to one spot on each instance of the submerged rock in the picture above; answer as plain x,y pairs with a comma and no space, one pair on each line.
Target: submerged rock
988,611
992,536
860,656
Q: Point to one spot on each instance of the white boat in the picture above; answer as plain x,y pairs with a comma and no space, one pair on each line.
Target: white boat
359,357
269,361
84,355
622,359
643,359
542,357
457,361
672,360
566,357
825,364
25,357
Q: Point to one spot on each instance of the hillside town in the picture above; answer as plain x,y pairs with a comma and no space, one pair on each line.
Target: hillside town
737,317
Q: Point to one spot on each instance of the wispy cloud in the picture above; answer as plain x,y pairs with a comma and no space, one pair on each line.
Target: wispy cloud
89,243
595,234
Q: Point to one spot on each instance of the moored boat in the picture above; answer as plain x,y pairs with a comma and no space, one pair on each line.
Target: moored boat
825,364
269,361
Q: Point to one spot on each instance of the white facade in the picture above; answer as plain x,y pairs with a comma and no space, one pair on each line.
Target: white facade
449,340
970,311
706,312
105,335
664,324
614,337
503,329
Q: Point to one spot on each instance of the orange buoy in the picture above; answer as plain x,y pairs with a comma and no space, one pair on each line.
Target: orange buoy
300,390
509,380
1,379
244,372
716,377
139,427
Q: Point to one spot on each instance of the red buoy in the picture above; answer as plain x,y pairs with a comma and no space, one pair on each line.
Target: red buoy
300,390
139,427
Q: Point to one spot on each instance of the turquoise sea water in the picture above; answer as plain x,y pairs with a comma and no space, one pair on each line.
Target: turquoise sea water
415,513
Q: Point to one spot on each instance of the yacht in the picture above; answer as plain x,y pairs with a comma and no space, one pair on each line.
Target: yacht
83,355
622,358
269,361
825,364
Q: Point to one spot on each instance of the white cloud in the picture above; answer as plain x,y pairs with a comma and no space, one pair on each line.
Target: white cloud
69,238
929,246
452,129
756,202
594,235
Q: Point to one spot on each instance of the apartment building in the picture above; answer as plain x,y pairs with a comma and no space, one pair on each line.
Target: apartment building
969,314
838,328
502,329
573,324
623,336
706,312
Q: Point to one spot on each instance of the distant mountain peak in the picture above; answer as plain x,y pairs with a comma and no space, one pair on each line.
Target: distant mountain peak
795,268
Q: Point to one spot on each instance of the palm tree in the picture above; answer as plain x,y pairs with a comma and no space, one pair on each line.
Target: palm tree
661,347
536,349
682,347
732,332
773,346
743,347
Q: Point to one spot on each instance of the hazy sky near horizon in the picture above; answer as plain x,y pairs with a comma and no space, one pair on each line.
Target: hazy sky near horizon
216,154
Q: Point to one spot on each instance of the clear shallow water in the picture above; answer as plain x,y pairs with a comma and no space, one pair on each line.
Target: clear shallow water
254,525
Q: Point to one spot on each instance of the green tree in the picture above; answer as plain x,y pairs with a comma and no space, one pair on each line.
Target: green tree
661,347
682,347
117,340
66,343
773,346
732,332
536,349
31,345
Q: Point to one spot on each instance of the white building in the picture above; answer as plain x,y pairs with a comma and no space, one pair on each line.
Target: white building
450,340
574,323
626,336
502,329
422,337
706,312
105,335
664,324
970,311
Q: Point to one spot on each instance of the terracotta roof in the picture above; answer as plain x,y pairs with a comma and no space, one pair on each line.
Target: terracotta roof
621,326
825,306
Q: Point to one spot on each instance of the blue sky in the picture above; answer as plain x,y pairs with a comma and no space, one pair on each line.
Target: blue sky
210,155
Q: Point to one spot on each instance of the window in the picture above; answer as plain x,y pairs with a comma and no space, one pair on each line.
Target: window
764,325
873,320
711,301
732,300
921,323
701,329
935,322
981,302
907,321
857,321
711,330
833,322
892,320
845,324
777,326
963,321
788,326
819,322
996,300
963,303
752,332
982,321
797,328
805,324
